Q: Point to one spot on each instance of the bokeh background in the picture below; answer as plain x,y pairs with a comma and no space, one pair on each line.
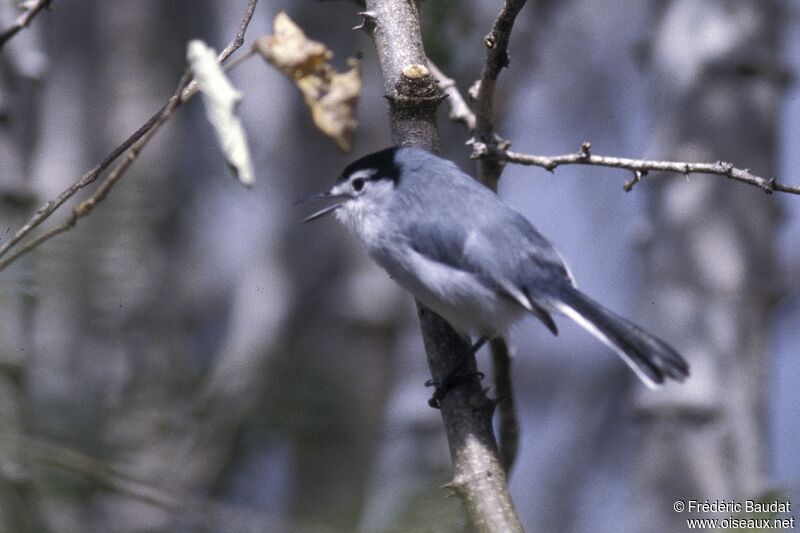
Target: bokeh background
191,358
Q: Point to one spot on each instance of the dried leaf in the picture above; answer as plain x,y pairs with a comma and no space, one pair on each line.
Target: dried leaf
331,96
221,99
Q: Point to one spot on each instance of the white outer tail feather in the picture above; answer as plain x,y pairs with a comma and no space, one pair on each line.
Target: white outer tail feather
591,328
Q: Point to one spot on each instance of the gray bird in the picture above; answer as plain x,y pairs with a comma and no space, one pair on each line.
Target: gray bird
471,258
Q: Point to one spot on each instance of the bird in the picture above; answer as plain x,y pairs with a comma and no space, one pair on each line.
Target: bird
472,259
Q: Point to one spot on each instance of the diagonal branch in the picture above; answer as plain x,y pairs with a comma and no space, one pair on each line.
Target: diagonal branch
84,208
640,168
44,212
203,511
238,39
460,112
32,9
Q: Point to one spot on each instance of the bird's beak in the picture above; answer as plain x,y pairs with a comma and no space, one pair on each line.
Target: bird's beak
322,196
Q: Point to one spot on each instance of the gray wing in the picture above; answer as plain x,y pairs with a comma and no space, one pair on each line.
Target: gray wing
485,237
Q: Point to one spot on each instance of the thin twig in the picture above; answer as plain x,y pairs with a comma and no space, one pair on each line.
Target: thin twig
238,39
47,209
640,168
234,45
200,510
57,455
508,426
86,207
23,20
459,110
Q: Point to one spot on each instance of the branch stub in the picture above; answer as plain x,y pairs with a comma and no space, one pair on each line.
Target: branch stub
415,81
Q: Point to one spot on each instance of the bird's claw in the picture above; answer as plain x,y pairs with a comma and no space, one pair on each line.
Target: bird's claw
442,388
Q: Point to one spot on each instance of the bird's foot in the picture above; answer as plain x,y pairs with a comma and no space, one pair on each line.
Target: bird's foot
455,375
441,388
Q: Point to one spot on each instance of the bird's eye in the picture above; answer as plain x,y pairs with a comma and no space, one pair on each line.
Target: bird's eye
358,184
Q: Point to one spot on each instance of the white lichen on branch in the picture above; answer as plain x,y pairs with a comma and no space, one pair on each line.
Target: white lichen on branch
221,99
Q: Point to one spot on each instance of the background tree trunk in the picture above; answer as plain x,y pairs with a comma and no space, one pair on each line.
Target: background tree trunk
710,257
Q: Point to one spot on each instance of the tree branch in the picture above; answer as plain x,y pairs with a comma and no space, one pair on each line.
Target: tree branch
187,90
482,93
640,167
86,207
508,426
200,510
460,112
32,9
479,477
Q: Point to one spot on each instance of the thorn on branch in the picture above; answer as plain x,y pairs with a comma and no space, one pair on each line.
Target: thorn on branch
637,177
368,22
451,490
586,147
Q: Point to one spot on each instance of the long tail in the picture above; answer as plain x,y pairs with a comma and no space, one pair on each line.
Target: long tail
650,358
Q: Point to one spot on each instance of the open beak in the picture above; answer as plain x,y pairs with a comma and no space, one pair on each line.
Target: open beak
322,196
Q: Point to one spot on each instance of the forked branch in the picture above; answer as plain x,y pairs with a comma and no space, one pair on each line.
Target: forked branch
640,168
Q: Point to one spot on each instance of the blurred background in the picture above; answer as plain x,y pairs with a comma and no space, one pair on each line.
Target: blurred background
191,358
